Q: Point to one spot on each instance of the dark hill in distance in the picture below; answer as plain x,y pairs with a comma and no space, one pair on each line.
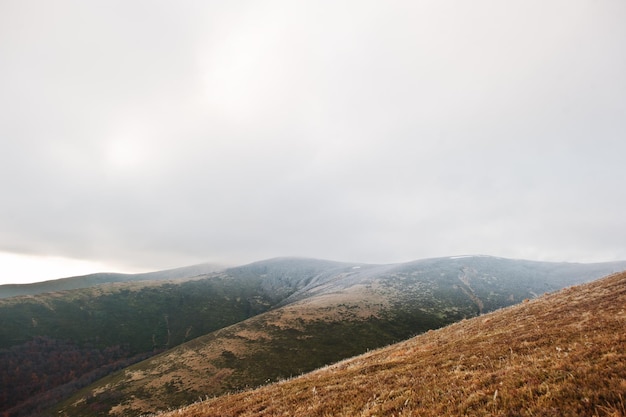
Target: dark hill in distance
68,339
320,312
91,280
563,354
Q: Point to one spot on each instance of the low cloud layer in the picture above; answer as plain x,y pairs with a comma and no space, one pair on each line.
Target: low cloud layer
151,134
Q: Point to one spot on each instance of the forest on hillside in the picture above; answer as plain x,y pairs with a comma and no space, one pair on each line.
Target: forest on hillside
43,371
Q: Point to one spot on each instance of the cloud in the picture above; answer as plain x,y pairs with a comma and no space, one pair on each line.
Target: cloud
152,134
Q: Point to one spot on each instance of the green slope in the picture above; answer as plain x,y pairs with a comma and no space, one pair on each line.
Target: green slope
112,324
563,354
336,313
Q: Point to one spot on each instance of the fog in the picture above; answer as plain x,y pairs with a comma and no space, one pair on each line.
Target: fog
149,134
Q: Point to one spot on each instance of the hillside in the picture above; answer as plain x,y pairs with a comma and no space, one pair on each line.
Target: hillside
92,280
55,343
337,311
562,354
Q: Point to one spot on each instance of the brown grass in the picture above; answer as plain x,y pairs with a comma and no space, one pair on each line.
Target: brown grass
561,355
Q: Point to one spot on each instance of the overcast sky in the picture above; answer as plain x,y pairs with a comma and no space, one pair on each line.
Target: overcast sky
141,135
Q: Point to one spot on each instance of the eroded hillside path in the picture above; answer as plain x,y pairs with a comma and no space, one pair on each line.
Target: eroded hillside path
464,277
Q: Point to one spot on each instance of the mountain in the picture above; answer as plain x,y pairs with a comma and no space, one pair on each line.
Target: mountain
562,354
86,281
54,343
323,312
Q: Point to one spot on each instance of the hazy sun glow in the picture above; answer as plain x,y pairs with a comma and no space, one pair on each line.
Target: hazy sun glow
371,132
124,153
22,269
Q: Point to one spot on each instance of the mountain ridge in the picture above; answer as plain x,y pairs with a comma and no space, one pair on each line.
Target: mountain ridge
561,354
243,325
335,310
91,280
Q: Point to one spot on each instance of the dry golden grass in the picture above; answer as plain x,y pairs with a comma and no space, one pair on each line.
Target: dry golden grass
561,355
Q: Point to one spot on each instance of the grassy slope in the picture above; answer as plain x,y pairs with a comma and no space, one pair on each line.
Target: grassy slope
340,316
144,316
107,327
114,324
561,354
274,345
149,314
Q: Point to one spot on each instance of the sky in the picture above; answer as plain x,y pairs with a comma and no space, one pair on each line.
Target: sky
143,135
